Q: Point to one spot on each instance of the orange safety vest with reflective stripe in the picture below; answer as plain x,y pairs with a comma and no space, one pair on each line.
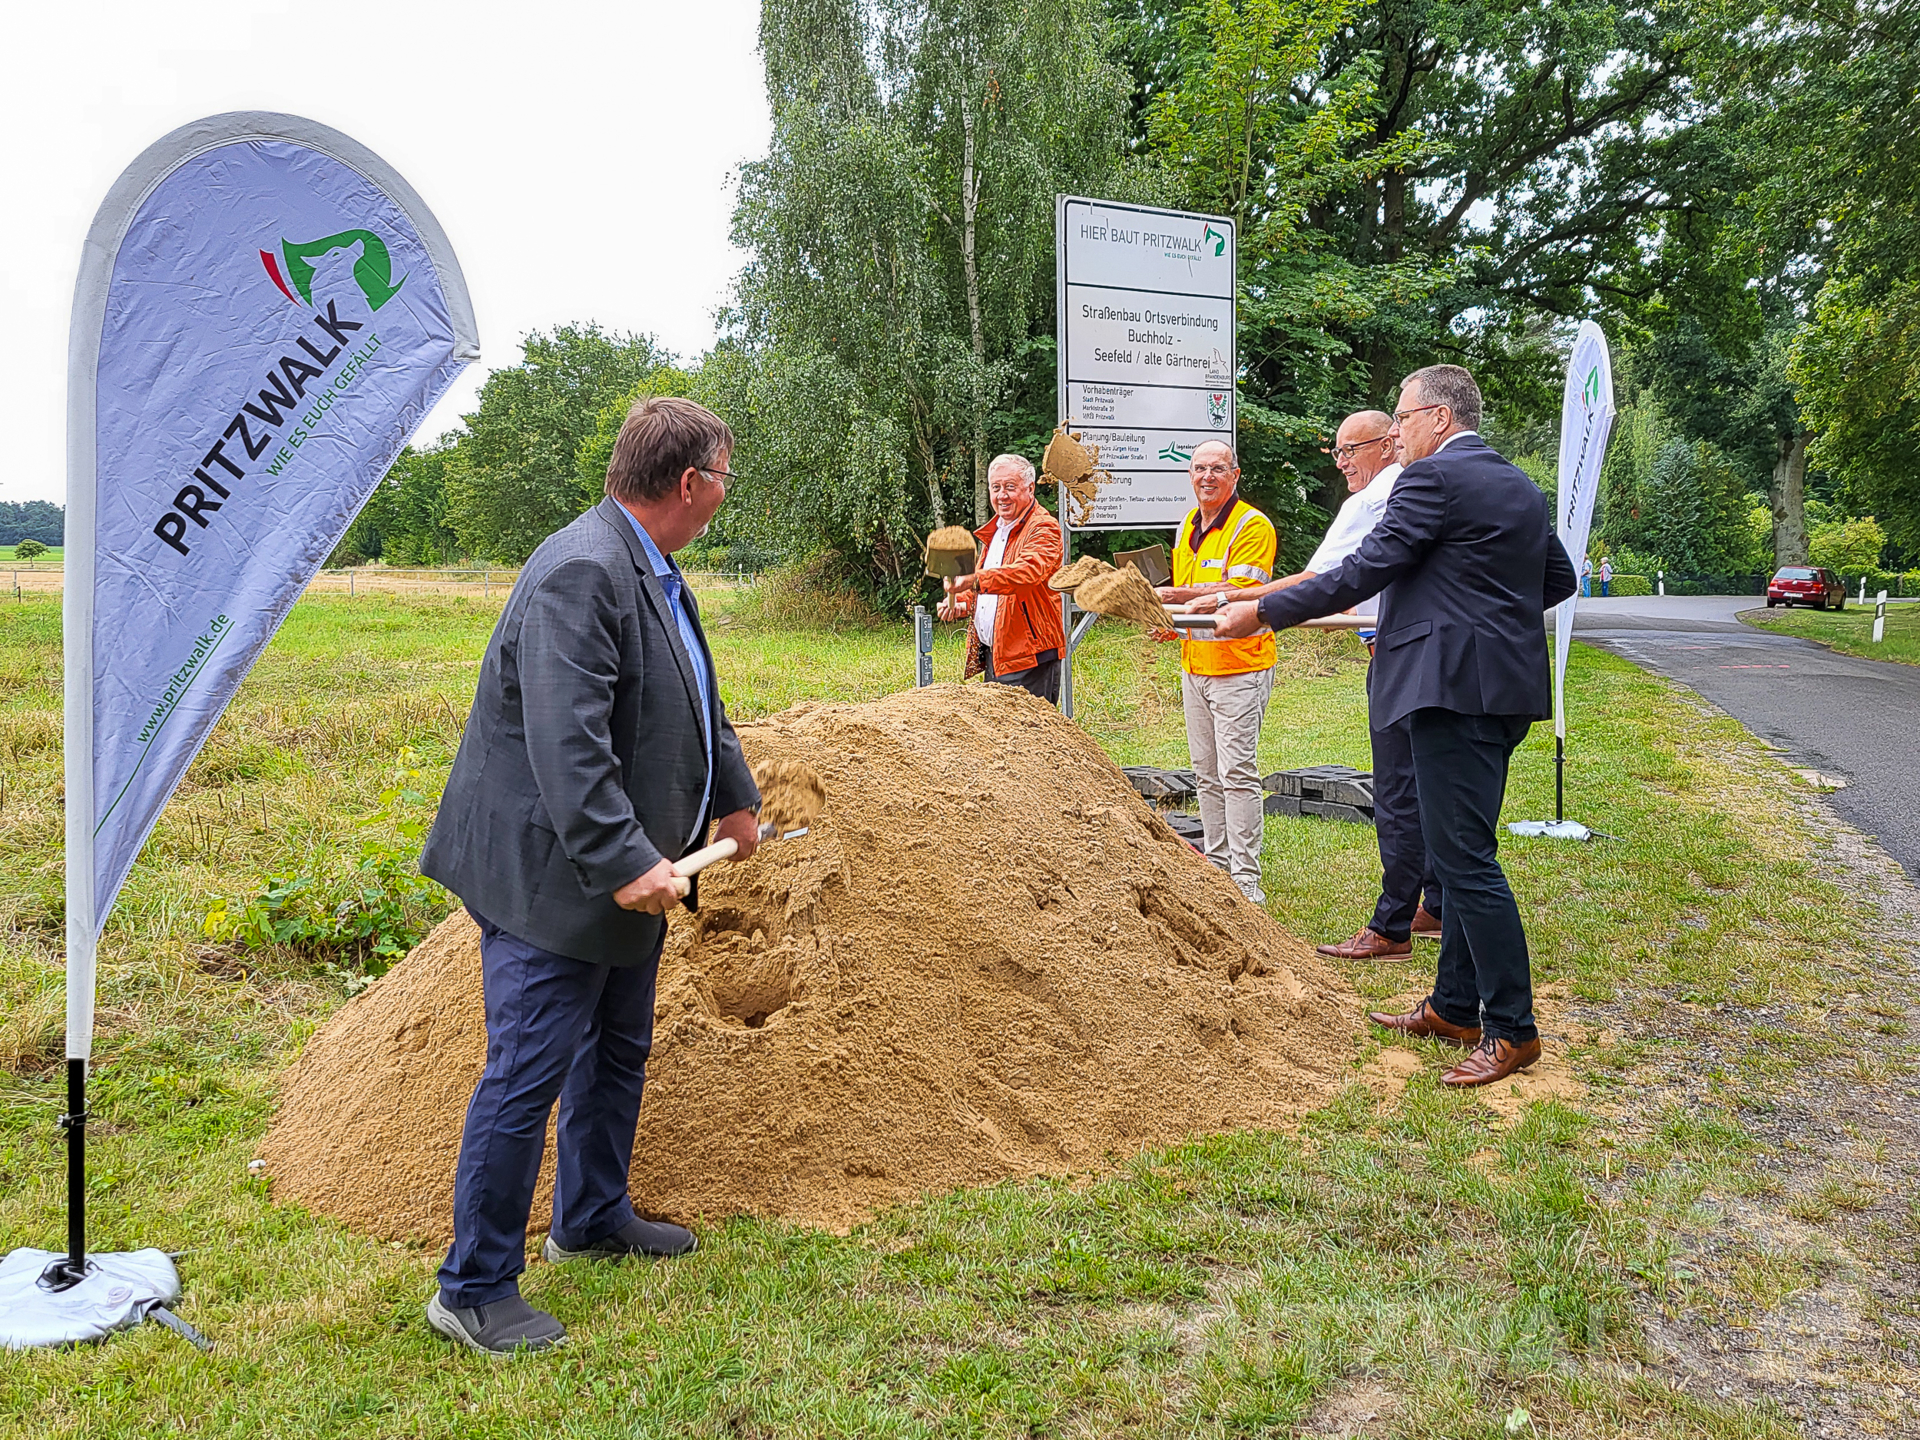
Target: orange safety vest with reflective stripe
1240,549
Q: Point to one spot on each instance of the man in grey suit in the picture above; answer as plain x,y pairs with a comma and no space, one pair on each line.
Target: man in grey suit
597,753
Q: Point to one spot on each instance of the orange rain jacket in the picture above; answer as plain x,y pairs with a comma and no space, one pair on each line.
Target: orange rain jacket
1027,624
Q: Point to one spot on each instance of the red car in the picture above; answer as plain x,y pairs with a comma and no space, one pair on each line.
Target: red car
1806,585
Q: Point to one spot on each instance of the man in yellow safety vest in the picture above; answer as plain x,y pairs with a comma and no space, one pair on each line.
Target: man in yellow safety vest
1224,543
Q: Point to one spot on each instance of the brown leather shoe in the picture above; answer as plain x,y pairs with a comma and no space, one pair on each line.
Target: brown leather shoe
1493,1060
1368,944
1422,1023
1426,925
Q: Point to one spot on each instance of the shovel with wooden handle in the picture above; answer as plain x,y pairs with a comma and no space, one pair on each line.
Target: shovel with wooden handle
687,866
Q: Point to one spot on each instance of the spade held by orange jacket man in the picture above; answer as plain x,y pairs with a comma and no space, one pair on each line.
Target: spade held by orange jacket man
1017,636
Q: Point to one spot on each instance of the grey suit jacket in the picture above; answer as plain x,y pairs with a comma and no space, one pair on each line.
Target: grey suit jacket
583,761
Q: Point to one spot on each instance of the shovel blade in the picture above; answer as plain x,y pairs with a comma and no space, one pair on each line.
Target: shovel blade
945,564
1152,563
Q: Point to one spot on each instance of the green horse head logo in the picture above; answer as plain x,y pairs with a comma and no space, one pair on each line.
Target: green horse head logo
372,272
1590,392
1219,240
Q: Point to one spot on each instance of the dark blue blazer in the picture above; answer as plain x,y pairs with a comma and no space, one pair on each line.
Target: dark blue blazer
1464,561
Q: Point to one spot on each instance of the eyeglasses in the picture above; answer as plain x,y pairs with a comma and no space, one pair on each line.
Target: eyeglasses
1215,470
716,474
1347,452
1400,416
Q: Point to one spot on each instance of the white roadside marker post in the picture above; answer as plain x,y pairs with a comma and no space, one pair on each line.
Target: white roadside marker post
1880,618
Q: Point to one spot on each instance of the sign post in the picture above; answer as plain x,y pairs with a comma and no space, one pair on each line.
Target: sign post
1147,334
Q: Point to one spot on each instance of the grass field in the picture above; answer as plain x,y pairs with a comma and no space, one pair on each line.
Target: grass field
1418,1254
1850,631
53,554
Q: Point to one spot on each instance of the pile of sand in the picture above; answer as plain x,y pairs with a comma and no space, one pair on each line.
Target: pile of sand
988,959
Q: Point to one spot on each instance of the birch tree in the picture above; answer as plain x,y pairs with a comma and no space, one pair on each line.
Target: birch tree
901,232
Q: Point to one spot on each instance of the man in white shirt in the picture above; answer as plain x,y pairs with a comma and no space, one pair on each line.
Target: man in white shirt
1367,456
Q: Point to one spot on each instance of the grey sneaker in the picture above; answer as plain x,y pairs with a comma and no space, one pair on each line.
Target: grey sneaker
656,1238
502,1328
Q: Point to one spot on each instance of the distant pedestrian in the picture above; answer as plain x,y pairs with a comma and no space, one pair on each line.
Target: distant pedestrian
1586,577
1606,575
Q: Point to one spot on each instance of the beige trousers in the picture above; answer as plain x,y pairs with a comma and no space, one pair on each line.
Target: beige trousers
1223,741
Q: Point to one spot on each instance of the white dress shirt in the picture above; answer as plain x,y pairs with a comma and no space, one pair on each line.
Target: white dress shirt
1359,513
986,608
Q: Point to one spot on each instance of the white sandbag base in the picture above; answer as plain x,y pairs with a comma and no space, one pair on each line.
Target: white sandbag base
118,1292
1552,829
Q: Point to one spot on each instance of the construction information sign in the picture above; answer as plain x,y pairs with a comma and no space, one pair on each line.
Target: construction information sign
1147,344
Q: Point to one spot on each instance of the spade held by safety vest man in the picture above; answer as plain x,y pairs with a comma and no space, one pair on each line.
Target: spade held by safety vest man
1224,543
1016,636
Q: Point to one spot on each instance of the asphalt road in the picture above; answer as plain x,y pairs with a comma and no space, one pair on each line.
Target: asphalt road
1852,719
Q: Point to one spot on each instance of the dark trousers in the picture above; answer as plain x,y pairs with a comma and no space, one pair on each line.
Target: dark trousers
1460,765
1042,679
1404,868
562,1028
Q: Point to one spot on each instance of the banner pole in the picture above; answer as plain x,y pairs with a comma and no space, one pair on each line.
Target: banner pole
1559,778
77,729
72,1270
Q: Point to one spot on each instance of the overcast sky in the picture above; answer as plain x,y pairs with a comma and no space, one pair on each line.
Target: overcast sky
579,154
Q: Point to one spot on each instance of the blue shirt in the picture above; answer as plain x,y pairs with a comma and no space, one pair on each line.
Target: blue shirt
675,584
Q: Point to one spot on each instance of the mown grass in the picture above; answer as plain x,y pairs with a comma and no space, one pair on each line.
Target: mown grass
1850,631
53,554
1467,1268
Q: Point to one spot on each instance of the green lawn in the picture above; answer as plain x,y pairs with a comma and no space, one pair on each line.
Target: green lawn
53,553
1850,631
1419,1246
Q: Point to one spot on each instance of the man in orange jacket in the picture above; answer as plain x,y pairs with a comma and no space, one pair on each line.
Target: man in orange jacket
1017,637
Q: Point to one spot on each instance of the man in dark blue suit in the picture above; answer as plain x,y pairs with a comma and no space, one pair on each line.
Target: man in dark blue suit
1465,562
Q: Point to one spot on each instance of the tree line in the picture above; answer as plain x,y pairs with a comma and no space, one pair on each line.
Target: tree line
1726,185
40,521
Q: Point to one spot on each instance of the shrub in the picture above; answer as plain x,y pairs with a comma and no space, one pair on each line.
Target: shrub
1851,545
1877,580
1627,585
367,916
815,591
